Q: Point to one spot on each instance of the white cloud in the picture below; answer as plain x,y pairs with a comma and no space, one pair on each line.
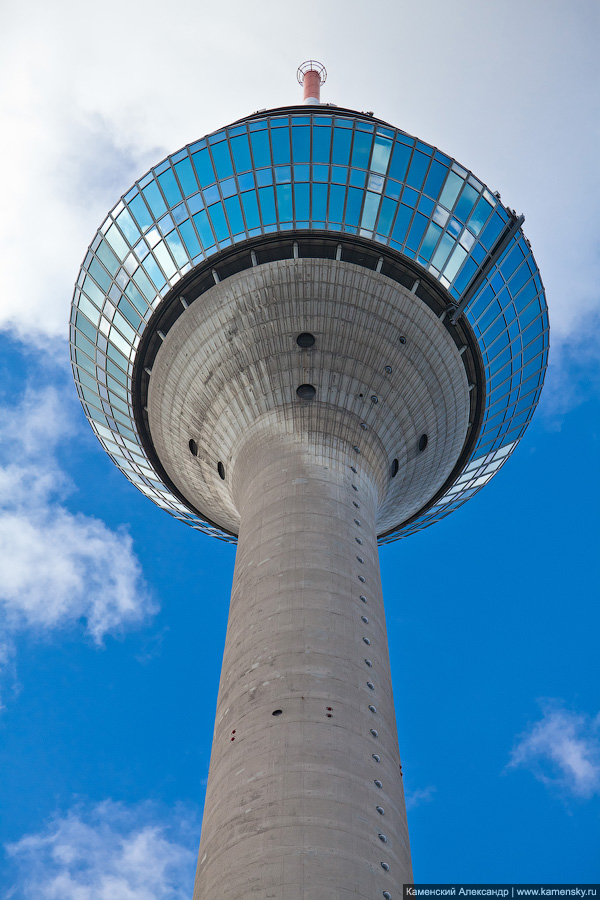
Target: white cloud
85,109
562,750
419,796
108,852
56,567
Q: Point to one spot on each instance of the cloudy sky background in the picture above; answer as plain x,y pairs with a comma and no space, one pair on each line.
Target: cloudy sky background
112,615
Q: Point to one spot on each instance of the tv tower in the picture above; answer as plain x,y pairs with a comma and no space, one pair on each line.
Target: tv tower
308,333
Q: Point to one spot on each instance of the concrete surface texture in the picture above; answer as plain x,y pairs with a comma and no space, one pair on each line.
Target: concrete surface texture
305,797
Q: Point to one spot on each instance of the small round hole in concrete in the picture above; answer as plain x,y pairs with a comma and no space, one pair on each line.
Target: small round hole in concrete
193,447
306,339
402,339
385,867
306,391
395,467
276,712
221,470
422,442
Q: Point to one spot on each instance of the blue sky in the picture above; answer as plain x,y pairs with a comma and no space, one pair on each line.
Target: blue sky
112,614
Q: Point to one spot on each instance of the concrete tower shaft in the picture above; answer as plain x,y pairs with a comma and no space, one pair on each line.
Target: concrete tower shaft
297,799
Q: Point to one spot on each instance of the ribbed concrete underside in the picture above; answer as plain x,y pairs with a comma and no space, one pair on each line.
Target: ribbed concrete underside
232,359
291,806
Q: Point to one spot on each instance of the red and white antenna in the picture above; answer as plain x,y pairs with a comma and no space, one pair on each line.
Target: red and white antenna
311,75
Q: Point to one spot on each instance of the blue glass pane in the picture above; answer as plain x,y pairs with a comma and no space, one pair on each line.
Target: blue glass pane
129,313
250,206
222,160
140,212
451,190
144,283
381,154
441,254
264,177
204,168
479,217
280,139
301,143
177,249
186,176
100,275
418,167
267,205
416,231
526,296
203,228
400,158
154,199
361,149
455,262
116,355
401,224
519,279
337,195
260,148
154,272
85,326
435,179
370,210
431,238
234,214
466,203
115,372
241,153
302,202
170,188
128,227
355,198
321,144
319,203
109,259
388,208
136,298
217,217
189,238
84,362
93,292
492,230
510,261
283,174
342,139
284,202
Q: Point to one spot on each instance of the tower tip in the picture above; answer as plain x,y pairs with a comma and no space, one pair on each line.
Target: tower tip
311,75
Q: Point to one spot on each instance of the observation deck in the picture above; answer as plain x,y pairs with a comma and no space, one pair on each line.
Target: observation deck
314,182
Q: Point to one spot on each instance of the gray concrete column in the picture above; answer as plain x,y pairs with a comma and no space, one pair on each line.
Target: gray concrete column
305,771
